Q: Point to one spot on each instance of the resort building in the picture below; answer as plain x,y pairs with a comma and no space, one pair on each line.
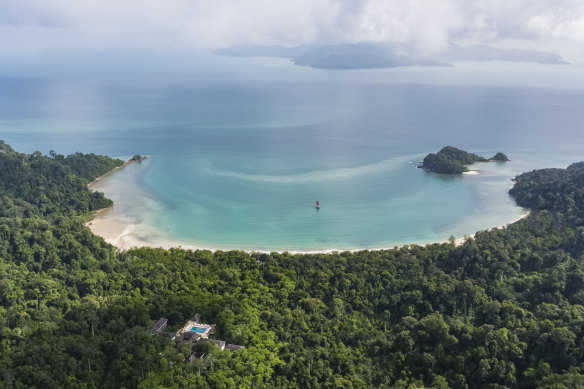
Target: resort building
199,330
198,354
233,347
189,337
159,326
194,332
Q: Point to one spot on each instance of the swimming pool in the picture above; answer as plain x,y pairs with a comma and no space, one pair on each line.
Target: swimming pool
198,330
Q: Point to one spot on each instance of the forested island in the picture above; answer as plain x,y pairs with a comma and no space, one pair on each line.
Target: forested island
372,55
503,310
451,160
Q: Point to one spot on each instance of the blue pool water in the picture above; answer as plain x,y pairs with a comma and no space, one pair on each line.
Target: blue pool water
198,330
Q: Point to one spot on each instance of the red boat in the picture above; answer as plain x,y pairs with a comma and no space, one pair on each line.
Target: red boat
317,205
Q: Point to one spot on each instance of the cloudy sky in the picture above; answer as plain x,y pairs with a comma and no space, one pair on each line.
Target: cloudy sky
151,26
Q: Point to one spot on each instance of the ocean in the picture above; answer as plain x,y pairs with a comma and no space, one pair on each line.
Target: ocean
238,160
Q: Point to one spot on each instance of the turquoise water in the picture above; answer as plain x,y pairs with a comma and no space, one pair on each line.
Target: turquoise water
240,162
198,330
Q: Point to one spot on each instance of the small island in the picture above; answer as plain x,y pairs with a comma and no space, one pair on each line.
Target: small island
499,157
451,160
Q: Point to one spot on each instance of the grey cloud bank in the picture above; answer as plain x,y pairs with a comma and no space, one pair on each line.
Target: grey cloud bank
153,26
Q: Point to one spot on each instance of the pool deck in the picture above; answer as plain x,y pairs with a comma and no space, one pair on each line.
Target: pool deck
209,329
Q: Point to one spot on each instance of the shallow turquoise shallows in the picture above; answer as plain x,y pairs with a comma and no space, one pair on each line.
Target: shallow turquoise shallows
240,163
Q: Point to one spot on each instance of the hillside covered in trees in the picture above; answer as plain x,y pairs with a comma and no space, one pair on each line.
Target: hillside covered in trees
450,160
503,310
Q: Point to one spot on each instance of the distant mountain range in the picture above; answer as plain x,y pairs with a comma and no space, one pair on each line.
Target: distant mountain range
387,55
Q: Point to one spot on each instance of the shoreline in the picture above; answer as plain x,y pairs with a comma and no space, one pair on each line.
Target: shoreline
122,234
98,179
460,241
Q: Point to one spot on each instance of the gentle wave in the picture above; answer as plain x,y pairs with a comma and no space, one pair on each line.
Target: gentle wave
313,176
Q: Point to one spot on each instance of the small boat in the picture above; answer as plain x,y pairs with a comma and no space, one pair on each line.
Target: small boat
317,205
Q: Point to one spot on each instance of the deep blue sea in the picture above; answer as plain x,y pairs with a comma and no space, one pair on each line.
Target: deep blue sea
238,161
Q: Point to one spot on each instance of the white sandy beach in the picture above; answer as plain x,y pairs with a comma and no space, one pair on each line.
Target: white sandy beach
460,241
124,234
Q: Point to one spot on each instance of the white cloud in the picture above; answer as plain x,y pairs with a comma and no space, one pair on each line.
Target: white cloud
565,23
178,25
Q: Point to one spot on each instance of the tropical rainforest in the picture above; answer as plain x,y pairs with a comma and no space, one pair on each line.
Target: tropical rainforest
450,160
503,310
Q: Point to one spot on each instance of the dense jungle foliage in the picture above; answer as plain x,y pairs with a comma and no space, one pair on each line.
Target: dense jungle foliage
450,160
34,185
503,310
500,157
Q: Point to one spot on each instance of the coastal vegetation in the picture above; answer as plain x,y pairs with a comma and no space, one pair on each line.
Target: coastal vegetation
451,160
503,310
500,157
